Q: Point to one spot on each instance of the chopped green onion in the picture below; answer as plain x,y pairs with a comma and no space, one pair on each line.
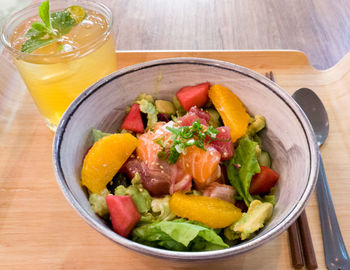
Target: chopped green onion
183,137
162,155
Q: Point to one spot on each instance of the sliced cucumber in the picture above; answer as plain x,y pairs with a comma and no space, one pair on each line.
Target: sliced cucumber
264,159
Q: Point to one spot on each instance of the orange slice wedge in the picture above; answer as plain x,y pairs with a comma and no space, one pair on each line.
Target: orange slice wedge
231,110
104,160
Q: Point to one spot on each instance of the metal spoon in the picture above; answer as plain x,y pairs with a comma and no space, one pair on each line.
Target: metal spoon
336,256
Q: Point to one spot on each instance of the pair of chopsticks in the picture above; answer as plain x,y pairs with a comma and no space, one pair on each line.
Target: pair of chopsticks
301,247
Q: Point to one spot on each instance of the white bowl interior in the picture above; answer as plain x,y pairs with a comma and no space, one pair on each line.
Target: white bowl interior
288,136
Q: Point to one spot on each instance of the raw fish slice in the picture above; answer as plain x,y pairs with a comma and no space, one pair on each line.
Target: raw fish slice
200,113
155,181
202,165
220,191
147,149
223,143
190,117
160,170
180,180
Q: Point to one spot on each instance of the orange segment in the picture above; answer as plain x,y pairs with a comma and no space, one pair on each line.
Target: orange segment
230,109
212,212
105,158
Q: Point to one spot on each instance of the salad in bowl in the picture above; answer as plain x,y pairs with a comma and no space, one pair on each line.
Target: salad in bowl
187,174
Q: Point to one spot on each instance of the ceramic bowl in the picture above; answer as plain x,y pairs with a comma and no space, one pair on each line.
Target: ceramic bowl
288,138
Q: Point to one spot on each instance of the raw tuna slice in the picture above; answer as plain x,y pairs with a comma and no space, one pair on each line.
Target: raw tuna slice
200,113
156,181
223,143
190,117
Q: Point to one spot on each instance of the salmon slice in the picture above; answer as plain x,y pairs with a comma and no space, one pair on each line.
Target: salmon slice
147,149
202,165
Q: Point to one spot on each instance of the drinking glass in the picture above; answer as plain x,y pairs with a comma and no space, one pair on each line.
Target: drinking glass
54,80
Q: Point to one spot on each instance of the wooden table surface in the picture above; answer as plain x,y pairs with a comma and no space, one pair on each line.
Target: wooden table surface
320,28
40,230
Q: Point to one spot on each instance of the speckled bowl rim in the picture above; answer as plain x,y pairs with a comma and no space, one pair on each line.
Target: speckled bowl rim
203,255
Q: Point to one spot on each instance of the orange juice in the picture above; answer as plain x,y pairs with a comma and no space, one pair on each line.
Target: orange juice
57,73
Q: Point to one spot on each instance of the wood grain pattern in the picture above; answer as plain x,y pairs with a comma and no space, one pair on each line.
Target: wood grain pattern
38,228
320,28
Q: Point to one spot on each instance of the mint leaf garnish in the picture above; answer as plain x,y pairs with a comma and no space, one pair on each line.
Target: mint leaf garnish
34,43
50,29
33,33
44,13
62,21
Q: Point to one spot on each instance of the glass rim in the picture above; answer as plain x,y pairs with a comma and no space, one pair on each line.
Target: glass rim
11,18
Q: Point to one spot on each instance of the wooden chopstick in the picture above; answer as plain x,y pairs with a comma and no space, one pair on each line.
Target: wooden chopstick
308,248
296,248
299,235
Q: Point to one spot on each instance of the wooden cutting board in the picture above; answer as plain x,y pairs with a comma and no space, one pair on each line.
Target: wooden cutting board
39,229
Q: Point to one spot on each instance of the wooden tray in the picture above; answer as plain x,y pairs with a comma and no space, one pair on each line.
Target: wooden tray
39,229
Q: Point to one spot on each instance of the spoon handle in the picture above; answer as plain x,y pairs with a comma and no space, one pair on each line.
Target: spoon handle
335,252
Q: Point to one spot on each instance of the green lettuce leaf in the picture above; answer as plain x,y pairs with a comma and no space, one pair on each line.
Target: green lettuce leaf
180,235
151,111
242,167
161,208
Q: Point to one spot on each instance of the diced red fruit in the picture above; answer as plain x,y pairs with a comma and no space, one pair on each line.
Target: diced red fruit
196,95
262,182
133,121
123,213
200,113
223,143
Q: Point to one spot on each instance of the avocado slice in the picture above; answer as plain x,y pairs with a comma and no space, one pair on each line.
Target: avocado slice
256,124
214,119
258,213
164,106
